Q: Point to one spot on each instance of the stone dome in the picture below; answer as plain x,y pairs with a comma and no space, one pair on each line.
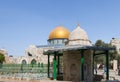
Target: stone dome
79,37
59,32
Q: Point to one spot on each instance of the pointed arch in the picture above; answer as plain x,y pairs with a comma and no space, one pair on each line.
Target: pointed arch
33,61
24,61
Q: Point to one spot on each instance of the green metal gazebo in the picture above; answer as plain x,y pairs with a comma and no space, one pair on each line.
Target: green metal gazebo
58,51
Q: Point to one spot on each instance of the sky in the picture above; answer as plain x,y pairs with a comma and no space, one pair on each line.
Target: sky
29,22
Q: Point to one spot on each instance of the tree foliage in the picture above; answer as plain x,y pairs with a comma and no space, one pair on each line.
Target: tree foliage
99,43
118,58
101,58
2,58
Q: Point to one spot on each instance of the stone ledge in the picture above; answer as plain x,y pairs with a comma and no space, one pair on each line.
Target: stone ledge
11,80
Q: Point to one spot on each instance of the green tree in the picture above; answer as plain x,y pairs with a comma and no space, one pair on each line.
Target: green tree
113,54
99,43
2,58
118,58
99,59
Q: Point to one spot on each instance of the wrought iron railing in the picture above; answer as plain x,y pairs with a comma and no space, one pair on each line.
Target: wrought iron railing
25,71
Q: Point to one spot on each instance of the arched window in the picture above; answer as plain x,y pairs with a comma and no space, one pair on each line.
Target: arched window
63,41
24,62
33,61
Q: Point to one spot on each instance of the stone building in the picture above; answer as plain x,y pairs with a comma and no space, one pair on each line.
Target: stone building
34,53
116,42
7,58
72,58
76,50
78,55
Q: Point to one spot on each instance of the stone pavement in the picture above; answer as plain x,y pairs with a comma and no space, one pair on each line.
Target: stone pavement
113,78
113,75
6,80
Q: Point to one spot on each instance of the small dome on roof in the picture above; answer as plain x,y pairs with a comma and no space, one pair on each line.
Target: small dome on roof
79,37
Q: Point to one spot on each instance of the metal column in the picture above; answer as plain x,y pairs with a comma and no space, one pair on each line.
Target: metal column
48,65
107,64
58,65
82,65
55,67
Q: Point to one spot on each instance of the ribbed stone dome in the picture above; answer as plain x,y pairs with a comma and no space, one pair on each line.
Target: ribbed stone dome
78,33
79,37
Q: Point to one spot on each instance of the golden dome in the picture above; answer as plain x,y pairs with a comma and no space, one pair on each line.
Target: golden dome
59,32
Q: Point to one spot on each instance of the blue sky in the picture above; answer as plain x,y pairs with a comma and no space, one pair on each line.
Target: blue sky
27,22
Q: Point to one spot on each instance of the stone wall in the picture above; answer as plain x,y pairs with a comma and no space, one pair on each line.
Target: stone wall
72,66
116,42
88,73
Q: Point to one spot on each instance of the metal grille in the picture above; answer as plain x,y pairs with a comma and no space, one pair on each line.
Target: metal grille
24,71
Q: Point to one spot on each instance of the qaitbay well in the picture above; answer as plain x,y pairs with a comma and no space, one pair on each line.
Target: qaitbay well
72,69
72,58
